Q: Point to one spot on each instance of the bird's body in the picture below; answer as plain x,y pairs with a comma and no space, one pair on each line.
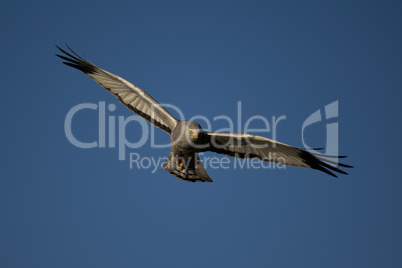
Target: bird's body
187,137
183,162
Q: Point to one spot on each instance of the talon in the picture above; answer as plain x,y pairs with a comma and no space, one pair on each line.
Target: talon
181,166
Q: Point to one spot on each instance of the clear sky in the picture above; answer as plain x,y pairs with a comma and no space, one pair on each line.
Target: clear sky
62,206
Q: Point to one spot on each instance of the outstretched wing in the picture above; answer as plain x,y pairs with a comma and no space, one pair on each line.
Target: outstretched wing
249,146
131,96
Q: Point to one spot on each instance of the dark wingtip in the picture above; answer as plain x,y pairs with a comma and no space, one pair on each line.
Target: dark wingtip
344,165
326,171
334,163
73,51
72,59
72,65
319,163
329,156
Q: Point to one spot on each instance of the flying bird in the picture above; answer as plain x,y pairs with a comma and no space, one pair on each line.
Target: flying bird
188,139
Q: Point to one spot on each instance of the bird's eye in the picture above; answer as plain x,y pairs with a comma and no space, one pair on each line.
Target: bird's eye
191,132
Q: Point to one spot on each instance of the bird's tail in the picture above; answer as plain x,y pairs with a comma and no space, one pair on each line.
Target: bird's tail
186,168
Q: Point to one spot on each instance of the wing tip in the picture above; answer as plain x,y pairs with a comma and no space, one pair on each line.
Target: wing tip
327,168
76,61
316,161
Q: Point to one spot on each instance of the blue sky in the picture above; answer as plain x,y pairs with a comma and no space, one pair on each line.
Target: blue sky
62,206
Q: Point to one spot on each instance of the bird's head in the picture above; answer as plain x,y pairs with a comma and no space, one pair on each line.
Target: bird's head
187,134
192,130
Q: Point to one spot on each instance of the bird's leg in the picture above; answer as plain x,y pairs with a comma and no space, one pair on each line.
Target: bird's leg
180,163
181,166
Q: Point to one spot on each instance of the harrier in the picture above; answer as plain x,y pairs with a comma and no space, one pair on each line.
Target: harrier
187,137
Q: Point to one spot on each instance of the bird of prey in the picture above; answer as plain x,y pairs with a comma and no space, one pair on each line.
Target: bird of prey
187,137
